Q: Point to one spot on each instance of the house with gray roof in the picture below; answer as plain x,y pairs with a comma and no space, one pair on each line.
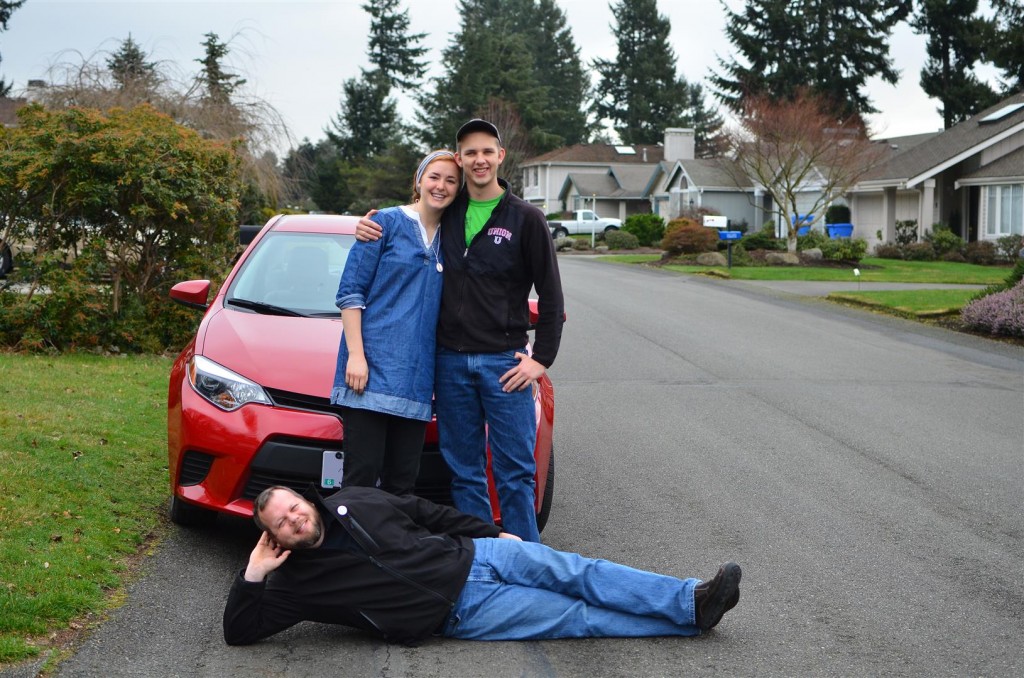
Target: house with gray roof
969,177
613,180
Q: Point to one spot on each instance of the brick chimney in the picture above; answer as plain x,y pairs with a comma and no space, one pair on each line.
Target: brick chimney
679,144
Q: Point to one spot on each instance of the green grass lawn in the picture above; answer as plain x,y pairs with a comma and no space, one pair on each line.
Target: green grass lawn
871,269
84,481
921,303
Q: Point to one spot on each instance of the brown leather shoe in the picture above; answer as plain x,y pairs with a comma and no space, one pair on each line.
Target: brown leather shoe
714,598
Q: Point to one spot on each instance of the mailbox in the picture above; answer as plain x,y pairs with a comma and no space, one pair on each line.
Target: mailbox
730,235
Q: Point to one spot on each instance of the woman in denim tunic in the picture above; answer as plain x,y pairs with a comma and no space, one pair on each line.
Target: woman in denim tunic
389,296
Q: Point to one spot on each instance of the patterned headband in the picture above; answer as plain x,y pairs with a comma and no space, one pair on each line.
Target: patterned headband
429,159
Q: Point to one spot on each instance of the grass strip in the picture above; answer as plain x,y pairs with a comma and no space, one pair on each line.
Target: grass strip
918,303
871,270
84,478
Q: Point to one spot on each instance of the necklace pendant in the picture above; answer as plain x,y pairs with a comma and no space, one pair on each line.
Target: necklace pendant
439,267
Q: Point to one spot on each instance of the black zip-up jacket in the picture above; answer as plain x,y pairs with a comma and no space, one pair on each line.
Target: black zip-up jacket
409,563
487,285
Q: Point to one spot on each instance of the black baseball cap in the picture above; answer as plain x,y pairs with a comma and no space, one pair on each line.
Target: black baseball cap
477,125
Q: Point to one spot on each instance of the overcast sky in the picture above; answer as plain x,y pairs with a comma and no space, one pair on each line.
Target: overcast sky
296,53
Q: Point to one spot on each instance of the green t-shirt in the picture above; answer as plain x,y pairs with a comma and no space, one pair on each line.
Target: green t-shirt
477,214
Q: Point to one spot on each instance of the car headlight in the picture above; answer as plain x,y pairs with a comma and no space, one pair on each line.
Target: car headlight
222,387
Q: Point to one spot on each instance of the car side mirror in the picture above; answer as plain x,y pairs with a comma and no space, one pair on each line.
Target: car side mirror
192,293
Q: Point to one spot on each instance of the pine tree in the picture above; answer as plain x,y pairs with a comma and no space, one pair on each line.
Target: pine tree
516,57
956,37
129,68
368,120
709,137
1006,49
395,53
219,84
831,47
7,7
639,91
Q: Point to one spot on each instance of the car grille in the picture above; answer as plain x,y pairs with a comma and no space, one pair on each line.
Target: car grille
302,401
194,467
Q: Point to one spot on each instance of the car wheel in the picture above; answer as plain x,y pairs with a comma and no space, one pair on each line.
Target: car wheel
6,259
189,515
561,233
609,229
549,493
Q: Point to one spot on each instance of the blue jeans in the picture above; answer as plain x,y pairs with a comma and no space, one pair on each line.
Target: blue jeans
468,396
525,591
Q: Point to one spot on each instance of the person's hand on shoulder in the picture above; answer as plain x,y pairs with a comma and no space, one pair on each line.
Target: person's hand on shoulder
368,230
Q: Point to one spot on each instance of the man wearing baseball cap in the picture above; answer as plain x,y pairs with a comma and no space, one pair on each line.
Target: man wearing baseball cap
496,248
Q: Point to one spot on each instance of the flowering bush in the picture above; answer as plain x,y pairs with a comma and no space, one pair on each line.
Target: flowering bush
999,313
685,236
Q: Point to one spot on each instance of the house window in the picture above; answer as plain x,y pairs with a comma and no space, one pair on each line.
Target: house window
1005,210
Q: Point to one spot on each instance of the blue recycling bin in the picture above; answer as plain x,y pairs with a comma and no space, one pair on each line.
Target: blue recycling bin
836,231
799,219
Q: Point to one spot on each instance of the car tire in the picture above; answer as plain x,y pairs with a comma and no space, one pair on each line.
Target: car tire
561,233
549,493
6,259
609,229
189,515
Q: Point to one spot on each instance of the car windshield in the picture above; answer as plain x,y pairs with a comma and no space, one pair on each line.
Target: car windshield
296,273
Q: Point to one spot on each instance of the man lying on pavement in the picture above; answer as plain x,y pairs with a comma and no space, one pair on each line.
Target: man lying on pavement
407,569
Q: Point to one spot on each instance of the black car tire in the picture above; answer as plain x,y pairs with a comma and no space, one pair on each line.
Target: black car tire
610,229
189,515
6,259
560,233
549,493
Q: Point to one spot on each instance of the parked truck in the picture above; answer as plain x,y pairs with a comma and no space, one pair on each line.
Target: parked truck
583,221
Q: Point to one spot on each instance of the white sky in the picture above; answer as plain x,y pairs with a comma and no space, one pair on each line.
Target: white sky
296,53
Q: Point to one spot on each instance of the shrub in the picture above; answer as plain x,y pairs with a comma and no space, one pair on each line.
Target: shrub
1009,247
564,243
837,214
955,256
621,240
999,313
685,236
763,240
740,256
580,243
844,249
981,252
648,228
888,250
906,232
919,251
811,240
944,240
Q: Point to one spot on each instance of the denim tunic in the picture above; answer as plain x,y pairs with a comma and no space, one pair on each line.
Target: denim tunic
396,282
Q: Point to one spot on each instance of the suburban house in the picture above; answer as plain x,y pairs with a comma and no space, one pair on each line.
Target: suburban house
969,177
664,179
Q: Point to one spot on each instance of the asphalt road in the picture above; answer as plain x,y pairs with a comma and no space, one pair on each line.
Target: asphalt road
867,472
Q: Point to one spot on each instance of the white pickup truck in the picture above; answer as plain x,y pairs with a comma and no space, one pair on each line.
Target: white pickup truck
585,221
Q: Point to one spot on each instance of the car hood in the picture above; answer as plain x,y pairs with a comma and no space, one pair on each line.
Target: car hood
292,354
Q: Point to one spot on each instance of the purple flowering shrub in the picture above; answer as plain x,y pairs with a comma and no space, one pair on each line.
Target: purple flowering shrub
999,313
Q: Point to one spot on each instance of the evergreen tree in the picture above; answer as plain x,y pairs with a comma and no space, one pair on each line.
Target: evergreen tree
129,68
639,91
709,137
517,57
831,47
7,7
219,84
956,37
1006,49
368,120
393,51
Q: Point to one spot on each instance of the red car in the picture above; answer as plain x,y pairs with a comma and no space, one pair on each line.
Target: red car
249,398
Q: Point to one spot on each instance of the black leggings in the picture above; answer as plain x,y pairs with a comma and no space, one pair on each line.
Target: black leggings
382,446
